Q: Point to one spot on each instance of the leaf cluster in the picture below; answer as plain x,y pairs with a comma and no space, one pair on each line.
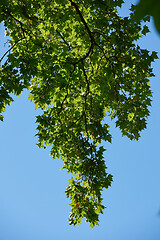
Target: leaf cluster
81,64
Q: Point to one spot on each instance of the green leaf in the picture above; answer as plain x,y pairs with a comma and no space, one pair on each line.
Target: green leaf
130,117
145,30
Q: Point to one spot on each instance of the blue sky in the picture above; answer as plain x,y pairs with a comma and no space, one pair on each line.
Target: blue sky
33,204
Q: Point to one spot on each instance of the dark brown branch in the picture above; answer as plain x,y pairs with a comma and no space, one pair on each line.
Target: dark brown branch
21,24
63,39
10,49
87,54
87,28
83,20
77,120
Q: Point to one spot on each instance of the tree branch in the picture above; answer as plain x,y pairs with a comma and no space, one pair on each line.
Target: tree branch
21,24
83,20
10,49
63,39
87,28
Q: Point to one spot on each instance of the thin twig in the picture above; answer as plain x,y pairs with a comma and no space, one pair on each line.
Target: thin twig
10,49
63,39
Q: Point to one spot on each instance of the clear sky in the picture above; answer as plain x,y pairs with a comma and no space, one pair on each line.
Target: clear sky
33,205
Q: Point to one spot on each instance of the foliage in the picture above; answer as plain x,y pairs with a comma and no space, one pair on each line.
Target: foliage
151,8
81,64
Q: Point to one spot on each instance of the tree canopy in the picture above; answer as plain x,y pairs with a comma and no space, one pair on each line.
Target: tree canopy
82,65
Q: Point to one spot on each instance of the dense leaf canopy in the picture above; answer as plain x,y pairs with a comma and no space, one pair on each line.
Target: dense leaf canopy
81,64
